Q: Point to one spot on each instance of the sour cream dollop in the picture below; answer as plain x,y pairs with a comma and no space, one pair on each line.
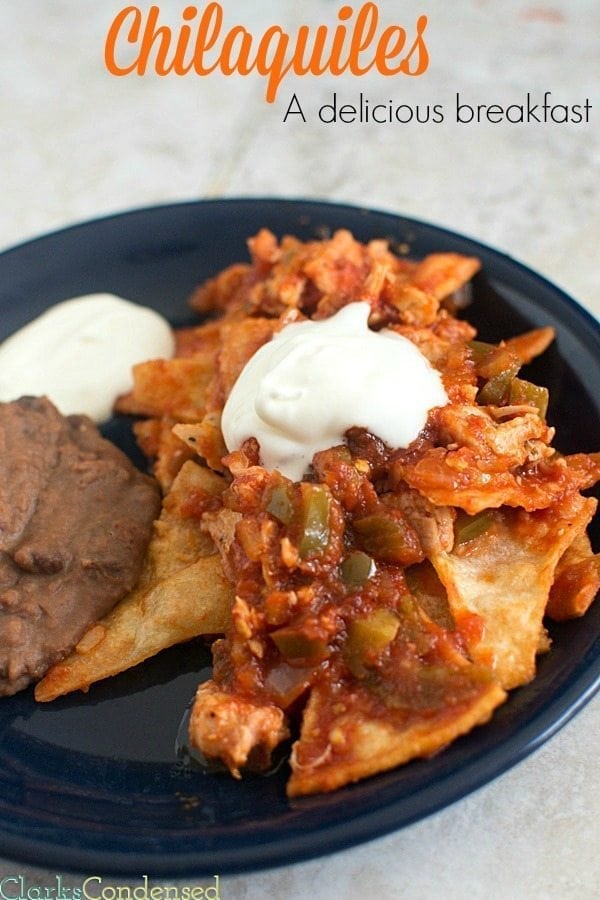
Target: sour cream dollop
306,387
79,353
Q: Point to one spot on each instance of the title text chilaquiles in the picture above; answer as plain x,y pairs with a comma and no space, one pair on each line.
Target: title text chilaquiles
202,42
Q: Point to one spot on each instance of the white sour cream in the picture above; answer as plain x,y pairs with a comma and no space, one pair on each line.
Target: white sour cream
79,353
302,390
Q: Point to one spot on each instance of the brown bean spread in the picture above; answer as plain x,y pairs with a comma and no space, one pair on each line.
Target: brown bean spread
75,519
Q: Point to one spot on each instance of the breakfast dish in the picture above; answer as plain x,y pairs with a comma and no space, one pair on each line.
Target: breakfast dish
380,551
373,513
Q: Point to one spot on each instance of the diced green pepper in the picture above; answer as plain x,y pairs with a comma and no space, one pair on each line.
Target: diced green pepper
356,569
497,362
314,520
285,683
280,503
497,366
368,637
386,537
496,391
294,643
467,528
524,392
479,350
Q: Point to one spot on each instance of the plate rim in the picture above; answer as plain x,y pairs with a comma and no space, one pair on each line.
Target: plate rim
353,208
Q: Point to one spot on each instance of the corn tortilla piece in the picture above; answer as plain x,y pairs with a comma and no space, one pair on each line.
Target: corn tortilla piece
360,742
425,585
440,274
196,600
157,442
504,575
531,343
205,438
181,593
178,539
176,388
240,339
576,581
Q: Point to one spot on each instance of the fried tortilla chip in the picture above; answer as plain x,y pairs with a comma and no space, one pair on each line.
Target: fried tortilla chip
178,539
182,593
576,581
430,593
358,741
205,439
176,388
196,600
504,576
530,344
158,443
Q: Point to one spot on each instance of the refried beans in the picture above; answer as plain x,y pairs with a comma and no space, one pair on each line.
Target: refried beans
75,520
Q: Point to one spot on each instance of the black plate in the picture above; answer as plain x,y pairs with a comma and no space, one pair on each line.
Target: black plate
92,782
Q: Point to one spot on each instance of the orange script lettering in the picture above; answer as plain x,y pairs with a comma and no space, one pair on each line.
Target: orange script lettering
138,42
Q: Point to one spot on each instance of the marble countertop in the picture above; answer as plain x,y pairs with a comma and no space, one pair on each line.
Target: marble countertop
78,143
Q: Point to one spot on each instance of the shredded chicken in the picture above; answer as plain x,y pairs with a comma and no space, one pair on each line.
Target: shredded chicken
233,729
434,524
472,426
